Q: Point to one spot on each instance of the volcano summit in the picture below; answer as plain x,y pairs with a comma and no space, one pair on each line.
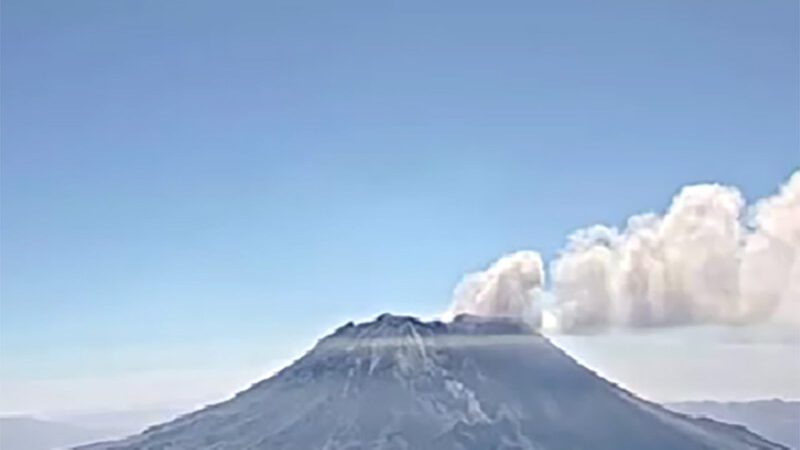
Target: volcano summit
470,384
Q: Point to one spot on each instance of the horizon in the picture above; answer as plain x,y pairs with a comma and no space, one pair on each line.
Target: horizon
169,410
574,345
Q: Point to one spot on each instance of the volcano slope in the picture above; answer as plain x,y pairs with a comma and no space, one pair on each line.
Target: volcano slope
470,384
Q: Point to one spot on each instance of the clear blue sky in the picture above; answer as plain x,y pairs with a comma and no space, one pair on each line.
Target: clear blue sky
217,183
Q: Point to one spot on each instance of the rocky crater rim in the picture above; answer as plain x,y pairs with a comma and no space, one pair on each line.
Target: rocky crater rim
388,325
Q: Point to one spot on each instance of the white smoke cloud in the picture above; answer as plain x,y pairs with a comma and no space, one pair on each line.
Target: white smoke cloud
709,259
772,268
703,261
507,288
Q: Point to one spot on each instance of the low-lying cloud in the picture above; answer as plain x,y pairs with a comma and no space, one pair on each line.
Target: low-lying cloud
709,259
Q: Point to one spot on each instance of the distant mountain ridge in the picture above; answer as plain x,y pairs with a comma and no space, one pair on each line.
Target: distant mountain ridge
28,433
471,384
777,420
61,430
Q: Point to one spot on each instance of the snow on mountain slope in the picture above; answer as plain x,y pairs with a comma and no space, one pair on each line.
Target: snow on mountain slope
472,384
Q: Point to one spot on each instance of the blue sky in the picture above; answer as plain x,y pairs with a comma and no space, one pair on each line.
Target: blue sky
196,185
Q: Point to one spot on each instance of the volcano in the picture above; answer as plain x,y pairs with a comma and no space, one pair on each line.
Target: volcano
472,384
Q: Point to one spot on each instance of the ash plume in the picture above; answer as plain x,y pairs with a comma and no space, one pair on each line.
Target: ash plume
709,259
509,287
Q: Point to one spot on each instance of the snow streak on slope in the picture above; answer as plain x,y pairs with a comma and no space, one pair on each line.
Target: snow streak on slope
472,384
